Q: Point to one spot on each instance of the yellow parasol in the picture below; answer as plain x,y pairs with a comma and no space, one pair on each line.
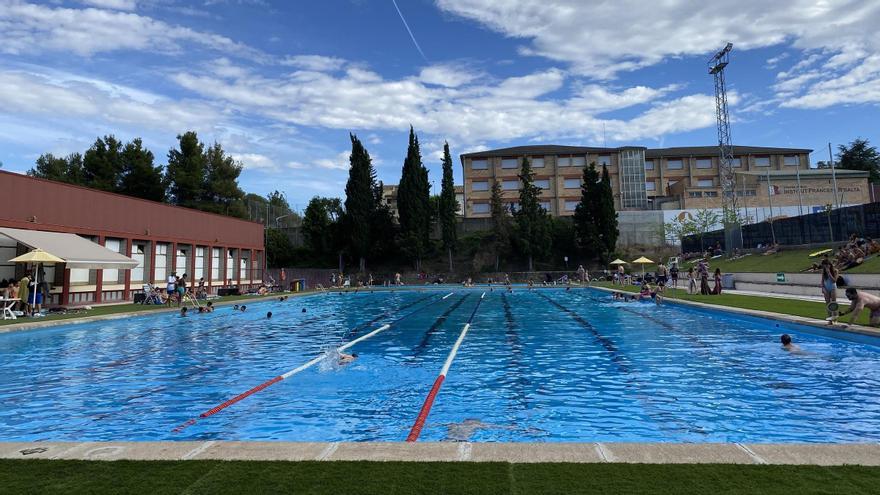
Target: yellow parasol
36,256
643,261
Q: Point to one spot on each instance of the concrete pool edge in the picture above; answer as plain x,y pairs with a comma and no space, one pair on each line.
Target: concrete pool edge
865,454
799,320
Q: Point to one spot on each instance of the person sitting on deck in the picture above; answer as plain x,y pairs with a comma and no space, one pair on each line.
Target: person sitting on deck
859,301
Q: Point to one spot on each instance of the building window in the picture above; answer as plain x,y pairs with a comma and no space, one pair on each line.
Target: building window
230,264
545,205
750,192
736,162
791,161
705,183
650,186
711,194
182,265
604,160
578,161
671,183
538,162
199,270
480,185
762,161
111,276
480,164
572,183
480,208
674,164
571,205
543,183
138,254
510,185
215,264
704,163
563,161
512,207
649,165
695,194
508,163
161,262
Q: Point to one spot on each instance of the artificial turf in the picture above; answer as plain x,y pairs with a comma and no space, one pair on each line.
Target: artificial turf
795,307
389,478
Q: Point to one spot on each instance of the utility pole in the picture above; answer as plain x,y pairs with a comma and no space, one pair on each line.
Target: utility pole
770,203
800,201
725,150
833,176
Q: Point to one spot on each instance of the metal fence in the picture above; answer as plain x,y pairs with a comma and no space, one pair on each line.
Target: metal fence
834,226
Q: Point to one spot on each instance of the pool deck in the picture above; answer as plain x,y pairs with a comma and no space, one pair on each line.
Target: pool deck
642,453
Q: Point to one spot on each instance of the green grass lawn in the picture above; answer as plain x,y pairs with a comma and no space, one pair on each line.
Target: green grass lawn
127,308
400,478
796,307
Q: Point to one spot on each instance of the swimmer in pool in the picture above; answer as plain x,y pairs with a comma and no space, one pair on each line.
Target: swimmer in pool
788,345
209,307
183,312
269,315
242,308
235,308
346,358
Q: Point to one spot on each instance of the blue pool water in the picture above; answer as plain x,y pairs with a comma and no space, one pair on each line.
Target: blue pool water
543,365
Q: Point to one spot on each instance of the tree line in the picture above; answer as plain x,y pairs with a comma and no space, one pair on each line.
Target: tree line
362,226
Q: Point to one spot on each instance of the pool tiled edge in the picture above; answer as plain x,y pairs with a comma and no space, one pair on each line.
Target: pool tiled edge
642,453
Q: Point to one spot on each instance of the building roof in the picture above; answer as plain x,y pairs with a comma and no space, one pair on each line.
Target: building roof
713,150
556,149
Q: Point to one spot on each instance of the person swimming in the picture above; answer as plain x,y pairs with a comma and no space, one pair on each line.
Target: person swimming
346,358
183,312
235,308
269,315
242,308
788,345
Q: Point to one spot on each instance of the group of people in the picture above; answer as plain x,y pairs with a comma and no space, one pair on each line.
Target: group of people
30,295
854,252
701,274
177,289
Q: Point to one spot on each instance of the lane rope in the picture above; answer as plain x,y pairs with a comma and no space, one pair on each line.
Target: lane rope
268,383
438,382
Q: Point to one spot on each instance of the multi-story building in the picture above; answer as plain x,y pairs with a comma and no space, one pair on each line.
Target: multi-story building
389,197
645,179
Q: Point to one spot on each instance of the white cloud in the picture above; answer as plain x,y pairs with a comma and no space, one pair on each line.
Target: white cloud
448,75
339,162
29,28
256,161
112,4
317,63
772,62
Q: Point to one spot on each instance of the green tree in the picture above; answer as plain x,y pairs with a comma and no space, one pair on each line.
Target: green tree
140,178
413,203
279,249
360,202
220,190
448,206
533,224
678,228
68,169
281,215
705,221
586,215
185,173
319,223
500,225
102,164
860,155
607,217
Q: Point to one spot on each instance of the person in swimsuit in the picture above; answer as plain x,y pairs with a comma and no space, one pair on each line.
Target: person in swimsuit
346,358
673,273
859,301
171,287
829,279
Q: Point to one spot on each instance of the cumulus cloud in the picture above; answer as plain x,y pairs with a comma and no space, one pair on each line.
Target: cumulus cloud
318,63
112,4
30,28
256,161
448,75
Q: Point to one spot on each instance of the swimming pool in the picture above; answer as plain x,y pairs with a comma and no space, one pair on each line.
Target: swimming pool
543,365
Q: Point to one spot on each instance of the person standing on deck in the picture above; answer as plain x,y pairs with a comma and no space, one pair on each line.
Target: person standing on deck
829,280
717,289
171,287
673,273
24,293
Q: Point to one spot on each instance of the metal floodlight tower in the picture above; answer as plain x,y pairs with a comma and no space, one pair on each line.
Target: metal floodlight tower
728,180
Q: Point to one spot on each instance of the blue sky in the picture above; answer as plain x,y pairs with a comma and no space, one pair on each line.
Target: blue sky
281,84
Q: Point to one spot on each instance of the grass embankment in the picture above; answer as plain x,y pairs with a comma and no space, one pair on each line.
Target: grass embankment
132,308
795,307
218,477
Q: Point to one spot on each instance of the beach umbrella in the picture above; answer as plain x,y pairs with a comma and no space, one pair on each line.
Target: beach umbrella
36,256
643,261
618,261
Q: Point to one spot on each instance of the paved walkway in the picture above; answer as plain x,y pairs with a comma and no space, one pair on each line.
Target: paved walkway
651,453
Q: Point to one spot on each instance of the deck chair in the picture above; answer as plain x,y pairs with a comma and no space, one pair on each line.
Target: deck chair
151,295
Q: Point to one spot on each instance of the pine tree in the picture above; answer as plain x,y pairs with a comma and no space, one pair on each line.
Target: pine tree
68,169
221,193
140,178
413,203
185,173
102,164
360,202
448,206
533,223
860,155
586,214
607,217
500,224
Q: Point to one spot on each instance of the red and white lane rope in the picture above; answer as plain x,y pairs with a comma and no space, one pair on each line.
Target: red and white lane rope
435,389
214,410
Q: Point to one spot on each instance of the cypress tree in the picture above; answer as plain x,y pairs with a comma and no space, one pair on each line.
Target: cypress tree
532,221
185,173
140,178
607,217
414,203
360,202
102,164
500,224
448,205
586,214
